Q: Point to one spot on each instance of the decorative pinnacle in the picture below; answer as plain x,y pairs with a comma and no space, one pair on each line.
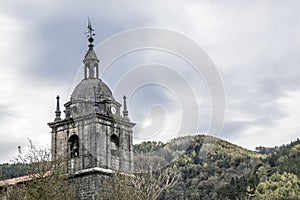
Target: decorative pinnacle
90,34
125,111
57,112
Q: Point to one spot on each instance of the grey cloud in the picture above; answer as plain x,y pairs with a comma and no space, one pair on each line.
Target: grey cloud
258,41
55,37
9,149
6,111
234,129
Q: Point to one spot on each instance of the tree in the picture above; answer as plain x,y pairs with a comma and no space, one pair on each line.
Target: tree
44,179
143,186
279,186
148,184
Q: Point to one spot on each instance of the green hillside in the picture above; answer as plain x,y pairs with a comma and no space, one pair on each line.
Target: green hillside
8,171
212,168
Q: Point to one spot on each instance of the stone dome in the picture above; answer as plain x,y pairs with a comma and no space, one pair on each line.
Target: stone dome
85,91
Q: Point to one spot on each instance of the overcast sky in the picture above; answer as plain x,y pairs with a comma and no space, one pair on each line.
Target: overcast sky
255,46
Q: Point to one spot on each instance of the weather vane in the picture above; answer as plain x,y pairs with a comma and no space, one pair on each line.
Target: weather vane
90,29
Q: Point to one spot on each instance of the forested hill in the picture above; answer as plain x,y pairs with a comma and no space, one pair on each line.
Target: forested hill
211,168
8,170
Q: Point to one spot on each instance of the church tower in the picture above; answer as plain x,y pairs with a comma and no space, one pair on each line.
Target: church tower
94,133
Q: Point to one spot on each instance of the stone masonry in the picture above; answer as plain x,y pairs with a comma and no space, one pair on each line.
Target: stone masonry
94,136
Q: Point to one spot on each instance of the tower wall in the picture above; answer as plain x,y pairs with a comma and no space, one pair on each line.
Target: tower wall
95,138
96,147
94,184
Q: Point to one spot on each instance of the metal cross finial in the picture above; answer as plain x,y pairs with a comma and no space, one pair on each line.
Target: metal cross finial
90,29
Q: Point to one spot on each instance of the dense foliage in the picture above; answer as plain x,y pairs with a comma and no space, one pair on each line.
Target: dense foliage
12,170
279,186
215,169
210,168
260,182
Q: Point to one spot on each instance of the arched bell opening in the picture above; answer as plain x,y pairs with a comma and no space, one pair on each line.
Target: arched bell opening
73,146
115,141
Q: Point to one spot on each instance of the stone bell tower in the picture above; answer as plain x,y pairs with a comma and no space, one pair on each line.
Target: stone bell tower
94,133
